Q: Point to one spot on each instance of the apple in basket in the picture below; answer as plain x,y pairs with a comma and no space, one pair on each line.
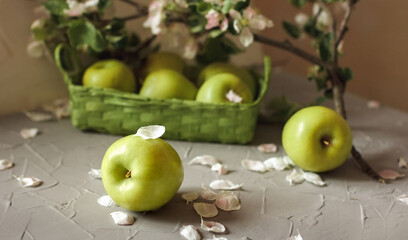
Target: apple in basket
161,60
223,88
167,83
317,139
110,73
142,172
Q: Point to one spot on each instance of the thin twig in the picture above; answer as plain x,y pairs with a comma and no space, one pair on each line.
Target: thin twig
365,167
133,17
344,24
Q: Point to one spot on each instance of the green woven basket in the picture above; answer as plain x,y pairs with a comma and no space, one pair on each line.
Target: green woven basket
121,113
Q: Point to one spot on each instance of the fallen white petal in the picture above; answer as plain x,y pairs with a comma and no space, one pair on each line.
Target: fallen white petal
224,185
278,163
59,107
313,178
207,160
268,148
190,232
208,194
402,163
96,173
5,164
296,176
296,237
28,181
27,133
206,210
253,165
38,116
220,169
390,174
106,201
190,196
151,132
227,201
403,198
122,218
233,97
220,238
373,104
211,226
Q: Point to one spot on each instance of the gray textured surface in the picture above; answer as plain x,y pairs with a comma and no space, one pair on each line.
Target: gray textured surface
351,206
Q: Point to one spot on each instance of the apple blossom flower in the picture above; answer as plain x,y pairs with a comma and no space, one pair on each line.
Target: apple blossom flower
324,18
215,19
247,21
78,8
177,37
156,16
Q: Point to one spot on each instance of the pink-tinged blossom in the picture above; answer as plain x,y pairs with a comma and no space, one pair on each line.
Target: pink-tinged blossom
215,19
155,17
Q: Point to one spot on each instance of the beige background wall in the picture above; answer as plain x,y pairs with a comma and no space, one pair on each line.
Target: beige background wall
376,49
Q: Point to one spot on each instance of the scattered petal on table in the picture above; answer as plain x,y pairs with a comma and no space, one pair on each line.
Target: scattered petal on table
221,238
190,232
268,148
278,163
206,210
390,174
190,196
296,237
313,178
403,198
296,176
28,181
253,165
39,116
227,201
208,194
151,132
96,173
204,160
5,164
373,104
220,168
27,133
106,201
122,218
59,107
402,163
224,185
211,226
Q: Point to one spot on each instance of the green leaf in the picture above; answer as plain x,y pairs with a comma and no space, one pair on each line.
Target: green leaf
103,5
291,29
298,3
325,47
217,50
346,74
215,33
227,6
56,7
241,5
115,26
203,7
197,23
84,33
311,29
119,42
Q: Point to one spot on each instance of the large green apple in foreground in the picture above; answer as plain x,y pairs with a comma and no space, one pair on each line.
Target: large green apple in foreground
223,88
110,73
167,83
141,174
317,139
222,67
163,60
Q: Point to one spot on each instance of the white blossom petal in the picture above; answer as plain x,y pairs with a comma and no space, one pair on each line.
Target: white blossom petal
403,198
122,218
402,163
190,232
260,22
208,194
38,116
96,173
253,165
235,14
246,37
106,201
313,178
27,133
227,201
224,185
296,176
28,181
301,19
390,174
211,226
232,96
151,132
36,49
220,168
190,196
268,148
278,163
204,160
5,164
206,210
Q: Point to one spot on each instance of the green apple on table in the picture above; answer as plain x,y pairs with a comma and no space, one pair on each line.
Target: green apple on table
161,60
167,83
218,88
141,174
222,67
317,139
110,73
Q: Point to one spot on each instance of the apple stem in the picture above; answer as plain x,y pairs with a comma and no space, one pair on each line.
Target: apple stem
128,174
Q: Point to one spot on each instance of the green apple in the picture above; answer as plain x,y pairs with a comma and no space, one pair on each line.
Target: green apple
317,139
222,67
110,73
161,60
167,83
141,174
218,89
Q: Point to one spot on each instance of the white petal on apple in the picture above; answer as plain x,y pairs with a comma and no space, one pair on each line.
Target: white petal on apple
233,97
279,163
38,116
402,163
28,181
296,237
268,148
296,176
224,185
253,165
5,164
390,174
190,196
403,198
151,132
227,201
208,194
220,168
211,226
122,218
190,232
27,133
313,178
106,201
206,210
96,173
206,160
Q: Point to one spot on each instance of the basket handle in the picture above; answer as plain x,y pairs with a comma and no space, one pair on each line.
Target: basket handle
68,63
